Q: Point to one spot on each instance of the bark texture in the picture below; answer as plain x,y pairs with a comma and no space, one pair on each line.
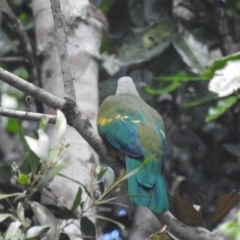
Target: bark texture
84,33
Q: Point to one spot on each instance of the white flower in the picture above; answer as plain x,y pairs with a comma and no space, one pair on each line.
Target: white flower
226,80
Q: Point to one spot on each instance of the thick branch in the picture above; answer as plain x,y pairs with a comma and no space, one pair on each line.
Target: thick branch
183,231
25,42
28,88
61,40
26,115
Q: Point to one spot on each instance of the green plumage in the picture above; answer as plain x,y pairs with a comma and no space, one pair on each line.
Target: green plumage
132,127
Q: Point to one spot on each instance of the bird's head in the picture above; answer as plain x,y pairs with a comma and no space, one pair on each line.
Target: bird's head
126,86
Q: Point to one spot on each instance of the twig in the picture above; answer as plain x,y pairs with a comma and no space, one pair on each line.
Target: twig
183,231
60,39
28,88
25,115
11,59
25,42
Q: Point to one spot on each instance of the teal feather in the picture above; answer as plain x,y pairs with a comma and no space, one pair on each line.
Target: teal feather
132,127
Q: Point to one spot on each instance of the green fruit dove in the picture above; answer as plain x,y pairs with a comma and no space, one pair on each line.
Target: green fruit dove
131,127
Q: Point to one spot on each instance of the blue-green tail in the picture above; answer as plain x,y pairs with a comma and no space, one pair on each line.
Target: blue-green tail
147,187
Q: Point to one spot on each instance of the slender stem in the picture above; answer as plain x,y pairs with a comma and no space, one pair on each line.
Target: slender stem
26,115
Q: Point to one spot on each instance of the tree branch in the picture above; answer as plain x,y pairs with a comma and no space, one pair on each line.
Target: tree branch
11,59
25,42
26,115
60,39
182,230
29,88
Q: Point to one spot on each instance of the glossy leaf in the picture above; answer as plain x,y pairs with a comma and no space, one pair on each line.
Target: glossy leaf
222,106
40,146
31,159
36,231
64,236
224,204
20,211
200,99
3,196
191,50
12,230
185,212
136,11
61,212
45,218
147,44
180,77
61,125
88,229
4,216
234,149
167,89
101,173
77,200
50,174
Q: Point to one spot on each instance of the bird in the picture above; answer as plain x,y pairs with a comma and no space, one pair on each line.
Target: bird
131,127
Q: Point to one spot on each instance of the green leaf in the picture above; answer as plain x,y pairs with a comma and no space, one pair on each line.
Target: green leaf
147,44
43,122
45,218
20,211
222,106
23,179
13,126
88,229
61,125
234,149
101,173
180,77
169,88
12,230
50,174
36,231
4,216
54,153
105,5
31,159
200,99
61,212
219,64
64,236
40,146
3,196
193,49
77,199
